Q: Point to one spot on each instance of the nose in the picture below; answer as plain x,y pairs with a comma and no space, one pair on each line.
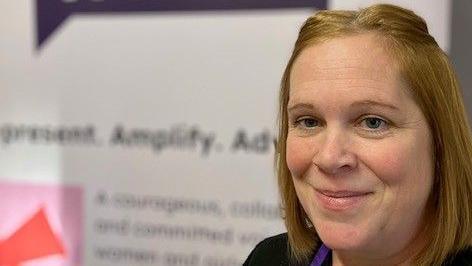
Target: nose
332,154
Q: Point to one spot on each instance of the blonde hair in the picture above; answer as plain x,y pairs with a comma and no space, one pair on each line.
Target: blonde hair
434,87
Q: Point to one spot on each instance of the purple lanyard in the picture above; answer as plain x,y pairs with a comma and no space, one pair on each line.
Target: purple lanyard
320,256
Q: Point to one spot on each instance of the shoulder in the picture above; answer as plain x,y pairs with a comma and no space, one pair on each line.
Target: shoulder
463,258
270,251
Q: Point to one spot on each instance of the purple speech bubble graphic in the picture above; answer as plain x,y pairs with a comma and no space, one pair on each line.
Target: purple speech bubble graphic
51,13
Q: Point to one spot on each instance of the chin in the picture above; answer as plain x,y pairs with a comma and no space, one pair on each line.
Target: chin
342,236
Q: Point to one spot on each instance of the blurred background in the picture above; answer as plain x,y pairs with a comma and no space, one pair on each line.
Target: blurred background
142,132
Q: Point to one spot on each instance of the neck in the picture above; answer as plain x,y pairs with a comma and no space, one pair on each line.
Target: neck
352,260
403,257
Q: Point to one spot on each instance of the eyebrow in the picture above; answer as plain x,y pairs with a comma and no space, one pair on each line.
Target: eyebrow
368,103
375,104
301,106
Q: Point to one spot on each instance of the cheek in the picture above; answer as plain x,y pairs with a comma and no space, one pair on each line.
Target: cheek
389,163
401,162
299,155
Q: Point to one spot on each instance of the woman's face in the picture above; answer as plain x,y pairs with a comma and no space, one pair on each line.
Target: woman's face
358,147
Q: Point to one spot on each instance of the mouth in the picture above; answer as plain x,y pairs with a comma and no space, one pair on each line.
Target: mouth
341,200
342,193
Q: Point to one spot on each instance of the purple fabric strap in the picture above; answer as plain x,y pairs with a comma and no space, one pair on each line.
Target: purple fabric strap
320,256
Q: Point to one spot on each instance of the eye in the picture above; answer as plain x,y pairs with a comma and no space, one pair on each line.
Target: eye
374,123
307,122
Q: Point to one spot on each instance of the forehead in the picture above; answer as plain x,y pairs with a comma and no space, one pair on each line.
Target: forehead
357,61
362,53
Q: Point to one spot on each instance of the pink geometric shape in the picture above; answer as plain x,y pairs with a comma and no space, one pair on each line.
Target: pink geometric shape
60,209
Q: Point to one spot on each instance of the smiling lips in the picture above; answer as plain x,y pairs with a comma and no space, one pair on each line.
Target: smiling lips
341,200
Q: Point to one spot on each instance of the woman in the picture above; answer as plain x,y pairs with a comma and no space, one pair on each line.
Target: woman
374,153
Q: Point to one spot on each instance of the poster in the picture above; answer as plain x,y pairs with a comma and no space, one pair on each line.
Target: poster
141,132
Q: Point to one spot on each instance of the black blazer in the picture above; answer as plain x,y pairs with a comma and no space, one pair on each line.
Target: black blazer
273,251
